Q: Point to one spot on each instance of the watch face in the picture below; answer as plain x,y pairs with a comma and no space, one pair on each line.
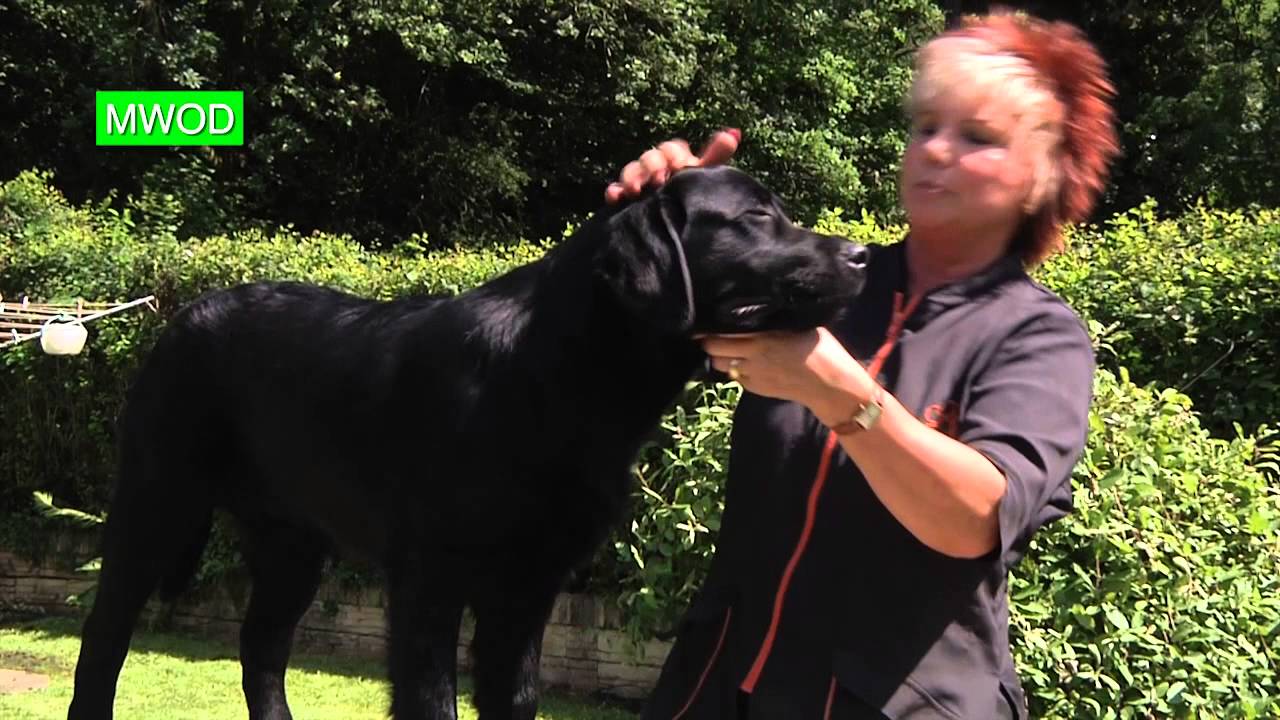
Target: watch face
869,415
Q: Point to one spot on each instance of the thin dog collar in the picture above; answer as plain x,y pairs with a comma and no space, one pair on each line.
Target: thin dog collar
684,263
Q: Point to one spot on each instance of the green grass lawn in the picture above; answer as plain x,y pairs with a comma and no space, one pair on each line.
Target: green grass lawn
173,677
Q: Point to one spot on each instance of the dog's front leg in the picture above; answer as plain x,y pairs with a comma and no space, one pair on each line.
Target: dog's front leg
422,644
507,653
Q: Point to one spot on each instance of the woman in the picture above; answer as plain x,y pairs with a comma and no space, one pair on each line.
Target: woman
886,473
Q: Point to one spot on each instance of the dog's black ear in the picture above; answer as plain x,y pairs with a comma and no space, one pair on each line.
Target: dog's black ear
640,264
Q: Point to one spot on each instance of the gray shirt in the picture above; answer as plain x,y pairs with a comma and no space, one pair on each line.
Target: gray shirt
867,611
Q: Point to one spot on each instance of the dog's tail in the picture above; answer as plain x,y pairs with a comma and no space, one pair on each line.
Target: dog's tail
164,494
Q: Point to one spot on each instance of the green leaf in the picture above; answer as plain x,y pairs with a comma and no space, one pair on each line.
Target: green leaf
1117,618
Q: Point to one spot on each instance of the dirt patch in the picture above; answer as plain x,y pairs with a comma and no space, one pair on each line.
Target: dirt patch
16,681
27,662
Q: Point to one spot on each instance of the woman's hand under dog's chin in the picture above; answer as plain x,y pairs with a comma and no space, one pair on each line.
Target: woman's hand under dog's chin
811,368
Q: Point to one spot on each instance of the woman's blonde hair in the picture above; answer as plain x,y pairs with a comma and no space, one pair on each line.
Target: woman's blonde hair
1058,82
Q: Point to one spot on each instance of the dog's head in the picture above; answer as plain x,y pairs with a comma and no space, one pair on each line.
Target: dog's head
750,267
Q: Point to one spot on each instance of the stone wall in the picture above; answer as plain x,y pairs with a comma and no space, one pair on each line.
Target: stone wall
582,651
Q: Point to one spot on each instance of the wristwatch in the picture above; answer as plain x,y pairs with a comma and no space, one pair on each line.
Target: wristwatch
865,417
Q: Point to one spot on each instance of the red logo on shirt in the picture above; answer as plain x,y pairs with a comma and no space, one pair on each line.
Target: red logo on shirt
943,417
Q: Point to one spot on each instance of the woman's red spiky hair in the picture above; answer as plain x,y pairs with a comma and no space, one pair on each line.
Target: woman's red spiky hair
1072,66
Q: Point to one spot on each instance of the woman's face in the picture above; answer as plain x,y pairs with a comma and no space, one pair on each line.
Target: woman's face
965,168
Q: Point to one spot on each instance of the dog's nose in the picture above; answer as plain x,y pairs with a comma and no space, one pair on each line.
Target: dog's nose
855,255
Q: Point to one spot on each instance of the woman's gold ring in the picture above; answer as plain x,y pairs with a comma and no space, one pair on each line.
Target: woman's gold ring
734,374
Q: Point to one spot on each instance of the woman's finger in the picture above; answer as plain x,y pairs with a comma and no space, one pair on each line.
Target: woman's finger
653,160
656,163
720,345
613,192
633,177
678,154
721,362
720,147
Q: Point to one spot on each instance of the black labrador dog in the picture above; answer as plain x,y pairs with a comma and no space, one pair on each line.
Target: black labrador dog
477,447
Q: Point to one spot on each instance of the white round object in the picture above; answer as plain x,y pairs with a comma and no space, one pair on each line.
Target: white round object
63,338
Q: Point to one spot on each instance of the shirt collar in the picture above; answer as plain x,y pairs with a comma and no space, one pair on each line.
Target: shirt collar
957,292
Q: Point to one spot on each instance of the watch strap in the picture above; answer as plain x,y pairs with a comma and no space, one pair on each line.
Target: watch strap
865,417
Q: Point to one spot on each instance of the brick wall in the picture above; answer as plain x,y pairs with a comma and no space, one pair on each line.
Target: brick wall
582,648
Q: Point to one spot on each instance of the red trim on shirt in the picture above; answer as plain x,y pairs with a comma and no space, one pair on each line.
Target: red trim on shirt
831,699
900,315
810,515
724,630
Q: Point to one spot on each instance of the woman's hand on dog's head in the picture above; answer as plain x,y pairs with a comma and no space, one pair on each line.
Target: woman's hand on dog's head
655,166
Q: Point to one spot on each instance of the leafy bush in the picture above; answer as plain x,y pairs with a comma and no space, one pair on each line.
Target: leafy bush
1160,595
1195,303
75,518
661,561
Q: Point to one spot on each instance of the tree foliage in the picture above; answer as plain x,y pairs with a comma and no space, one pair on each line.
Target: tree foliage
461,120
473,120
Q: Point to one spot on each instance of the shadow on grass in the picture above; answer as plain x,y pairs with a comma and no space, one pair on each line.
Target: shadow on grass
198,648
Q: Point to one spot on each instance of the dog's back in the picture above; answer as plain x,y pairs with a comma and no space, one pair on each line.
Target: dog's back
253,399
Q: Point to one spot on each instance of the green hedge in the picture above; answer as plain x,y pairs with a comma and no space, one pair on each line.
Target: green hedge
1157,598
1160,595
1193,302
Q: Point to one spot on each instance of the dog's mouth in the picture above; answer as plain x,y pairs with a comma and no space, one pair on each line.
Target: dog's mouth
793,300
757,314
